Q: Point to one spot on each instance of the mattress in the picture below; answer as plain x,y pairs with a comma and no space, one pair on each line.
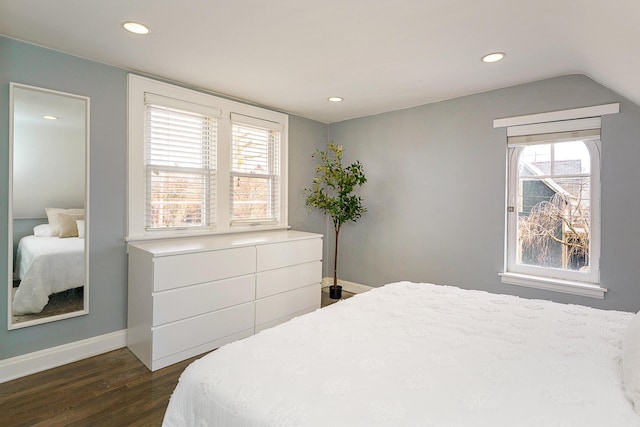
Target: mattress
416,354
46,265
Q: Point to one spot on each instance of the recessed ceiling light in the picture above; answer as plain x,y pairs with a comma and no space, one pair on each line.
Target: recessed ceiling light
49,117
136,27
335,99
493,57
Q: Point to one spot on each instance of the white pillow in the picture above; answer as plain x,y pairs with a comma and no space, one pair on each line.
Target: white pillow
80,225
44,230
631,361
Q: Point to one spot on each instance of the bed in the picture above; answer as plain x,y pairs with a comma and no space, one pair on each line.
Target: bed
46,265
416,354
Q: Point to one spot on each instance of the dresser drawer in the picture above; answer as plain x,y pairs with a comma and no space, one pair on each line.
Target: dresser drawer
191,295
284,254
188,269
189,301
281,305
288,278
195,331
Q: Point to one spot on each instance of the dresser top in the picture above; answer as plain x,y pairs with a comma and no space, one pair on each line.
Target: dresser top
174,246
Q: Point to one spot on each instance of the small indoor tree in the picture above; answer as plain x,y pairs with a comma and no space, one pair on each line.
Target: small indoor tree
332,193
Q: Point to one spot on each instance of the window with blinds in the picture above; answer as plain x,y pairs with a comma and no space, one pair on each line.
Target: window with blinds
180,166
199,164
255,170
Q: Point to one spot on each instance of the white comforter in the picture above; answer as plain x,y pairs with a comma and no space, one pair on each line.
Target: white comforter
417,355
46,265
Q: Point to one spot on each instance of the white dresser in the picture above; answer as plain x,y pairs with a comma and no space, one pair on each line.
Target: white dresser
191,295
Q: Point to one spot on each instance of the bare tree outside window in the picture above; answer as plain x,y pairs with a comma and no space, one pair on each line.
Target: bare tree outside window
558,222
554,215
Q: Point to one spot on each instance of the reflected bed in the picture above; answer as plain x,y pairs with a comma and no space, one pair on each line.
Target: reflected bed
410,354
46,265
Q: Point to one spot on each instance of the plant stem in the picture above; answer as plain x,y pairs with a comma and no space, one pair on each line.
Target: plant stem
335,260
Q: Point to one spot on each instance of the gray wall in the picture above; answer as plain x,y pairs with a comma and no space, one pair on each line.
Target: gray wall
436,191
106,86
305,136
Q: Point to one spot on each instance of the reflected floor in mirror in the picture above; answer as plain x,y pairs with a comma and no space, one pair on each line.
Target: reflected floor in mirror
60,303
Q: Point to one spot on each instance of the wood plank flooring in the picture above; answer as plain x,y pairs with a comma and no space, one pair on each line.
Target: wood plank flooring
113,389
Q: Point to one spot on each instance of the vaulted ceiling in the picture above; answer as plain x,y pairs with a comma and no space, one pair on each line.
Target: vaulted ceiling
379,55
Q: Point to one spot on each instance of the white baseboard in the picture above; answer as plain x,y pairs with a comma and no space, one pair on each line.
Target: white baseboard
354,288
38,361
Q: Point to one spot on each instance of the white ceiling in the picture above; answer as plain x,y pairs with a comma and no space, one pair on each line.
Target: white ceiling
30,106
380,55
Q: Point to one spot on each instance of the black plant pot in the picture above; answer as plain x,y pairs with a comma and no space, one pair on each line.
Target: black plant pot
335,292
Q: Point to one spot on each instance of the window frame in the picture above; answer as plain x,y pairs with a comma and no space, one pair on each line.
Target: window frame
513,192
274,164
207,172
138,88
549,123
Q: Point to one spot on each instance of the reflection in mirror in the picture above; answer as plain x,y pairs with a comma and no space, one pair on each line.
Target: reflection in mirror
48,200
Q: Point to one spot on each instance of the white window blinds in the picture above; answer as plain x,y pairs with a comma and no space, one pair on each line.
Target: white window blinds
255,170
199,164
180,164
565,130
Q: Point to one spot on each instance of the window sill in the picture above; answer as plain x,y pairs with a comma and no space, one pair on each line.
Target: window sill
172,234
550,284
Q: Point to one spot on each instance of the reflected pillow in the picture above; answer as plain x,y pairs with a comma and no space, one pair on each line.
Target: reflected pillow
44,230
55,220
52,216
80,225
68,225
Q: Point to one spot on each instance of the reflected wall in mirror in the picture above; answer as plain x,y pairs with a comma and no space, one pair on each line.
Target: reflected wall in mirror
48,199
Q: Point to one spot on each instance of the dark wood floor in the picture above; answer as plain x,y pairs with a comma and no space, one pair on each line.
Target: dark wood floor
113,389
59,303
326,300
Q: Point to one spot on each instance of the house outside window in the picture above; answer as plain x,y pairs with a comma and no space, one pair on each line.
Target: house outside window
551,224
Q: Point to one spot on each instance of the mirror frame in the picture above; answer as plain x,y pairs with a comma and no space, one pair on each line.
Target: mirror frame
85,310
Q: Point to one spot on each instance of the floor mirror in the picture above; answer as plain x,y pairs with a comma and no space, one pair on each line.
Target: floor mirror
48,206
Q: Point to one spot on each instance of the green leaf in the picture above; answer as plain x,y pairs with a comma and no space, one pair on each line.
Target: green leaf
334,186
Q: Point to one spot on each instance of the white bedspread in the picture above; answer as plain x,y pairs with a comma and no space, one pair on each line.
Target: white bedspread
417,355
46,265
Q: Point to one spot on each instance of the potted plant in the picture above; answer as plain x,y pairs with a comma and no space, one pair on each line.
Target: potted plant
332,192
